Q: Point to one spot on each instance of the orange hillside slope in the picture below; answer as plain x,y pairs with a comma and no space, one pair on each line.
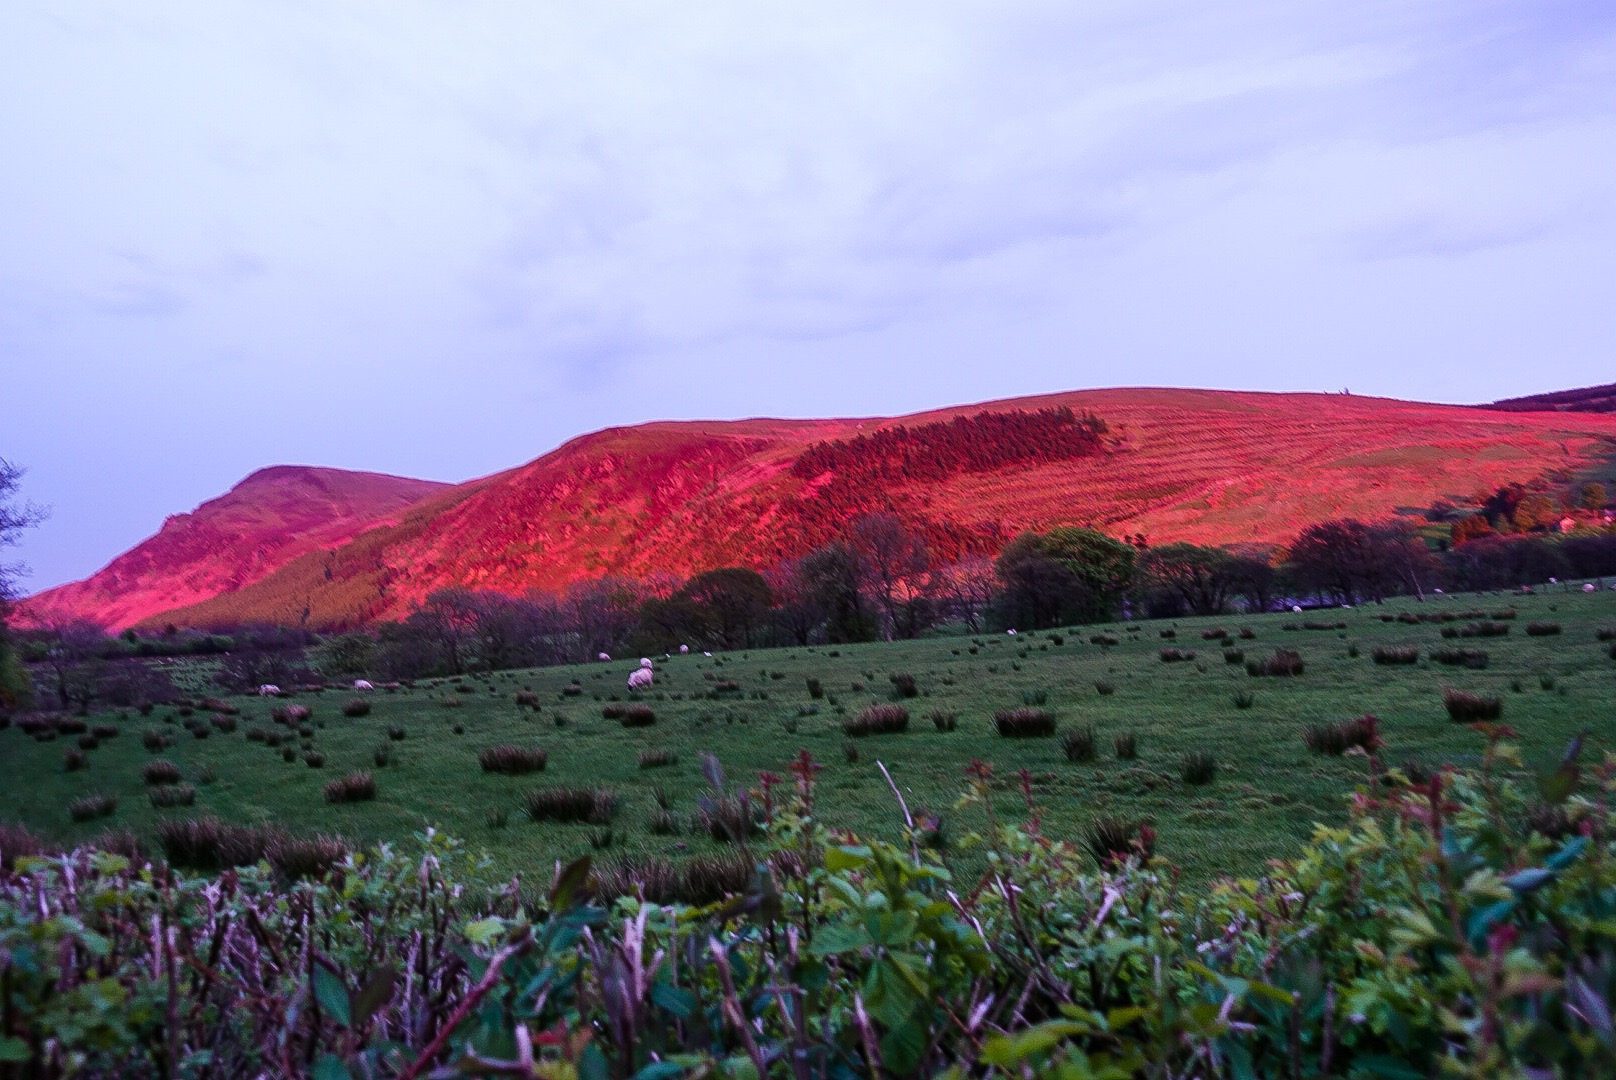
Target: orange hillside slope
228,543
680,497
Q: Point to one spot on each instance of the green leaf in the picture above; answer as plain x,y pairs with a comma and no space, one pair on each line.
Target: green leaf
373,995
1482,921
902,1046
592,1064
675,999
109,864
1525,881
485,932
330,1067
1567,855
1390,1068
838,938
660,1070
892,929
569,882
851,857
13,1049
332,995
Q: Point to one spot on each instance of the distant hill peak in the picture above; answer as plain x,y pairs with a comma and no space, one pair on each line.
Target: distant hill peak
1601,399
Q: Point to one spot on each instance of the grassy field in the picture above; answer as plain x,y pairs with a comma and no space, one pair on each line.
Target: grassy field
1268,791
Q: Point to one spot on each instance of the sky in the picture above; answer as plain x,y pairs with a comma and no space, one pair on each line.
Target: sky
440,239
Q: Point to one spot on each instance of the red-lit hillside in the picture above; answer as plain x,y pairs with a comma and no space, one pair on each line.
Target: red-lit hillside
228,543
1204,466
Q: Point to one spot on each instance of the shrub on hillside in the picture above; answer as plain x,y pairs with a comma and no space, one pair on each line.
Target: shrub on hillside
877,720
356,708
1465,707
1284,663
354,787
1078,744
1392,655
513,760
1024,723
584,805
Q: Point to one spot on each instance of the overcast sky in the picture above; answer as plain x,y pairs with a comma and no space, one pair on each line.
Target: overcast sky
439,239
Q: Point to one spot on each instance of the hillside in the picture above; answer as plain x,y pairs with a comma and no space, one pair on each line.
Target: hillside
1238,469
1587,399
229,543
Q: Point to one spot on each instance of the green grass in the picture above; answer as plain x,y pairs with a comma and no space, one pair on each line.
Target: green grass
1268,792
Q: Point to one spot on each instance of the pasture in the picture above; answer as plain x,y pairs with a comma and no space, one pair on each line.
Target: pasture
755,710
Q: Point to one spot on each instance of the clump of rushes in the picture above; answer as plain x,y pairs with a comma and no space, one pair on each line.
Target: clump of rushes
1176,656
382,755
877,720
355,787
513,760
816,689
1542,629
1113,841
730,819
90,807
1234,656
1198,767
356,707
1333,740
1078,744
943,720
1390,655
1104,688
1024,723
1126,746
850,751
1034,697
396,733
656,759
314,759
1475,659
160,772
592,806
903,684
168,795
75,760
1284,662
1465,707
638,716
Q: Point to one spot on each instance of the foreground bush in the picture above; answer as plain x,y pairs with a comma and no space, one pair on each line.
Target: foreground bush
1458,924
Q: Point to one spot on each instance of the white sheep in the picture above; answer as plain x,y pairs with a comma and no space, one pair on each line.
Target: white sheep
683,649
269,690
362,684
1296,608
603,657
1012,632
640,678
645,661
1589,587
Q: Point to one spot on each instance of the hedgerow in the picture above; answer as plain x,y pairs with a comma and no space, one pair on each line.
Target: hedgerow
1461,923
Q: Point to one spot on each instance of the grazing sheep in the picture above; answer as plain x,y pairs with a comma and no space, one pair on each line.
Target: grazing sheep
362,684
683,649
640,679
1588,587
706,654
603,657
269,690
1011,632
1296,608
645,661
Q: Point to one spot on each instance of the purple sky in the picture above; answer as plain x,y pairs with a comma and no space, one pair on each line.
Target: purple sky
439,239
